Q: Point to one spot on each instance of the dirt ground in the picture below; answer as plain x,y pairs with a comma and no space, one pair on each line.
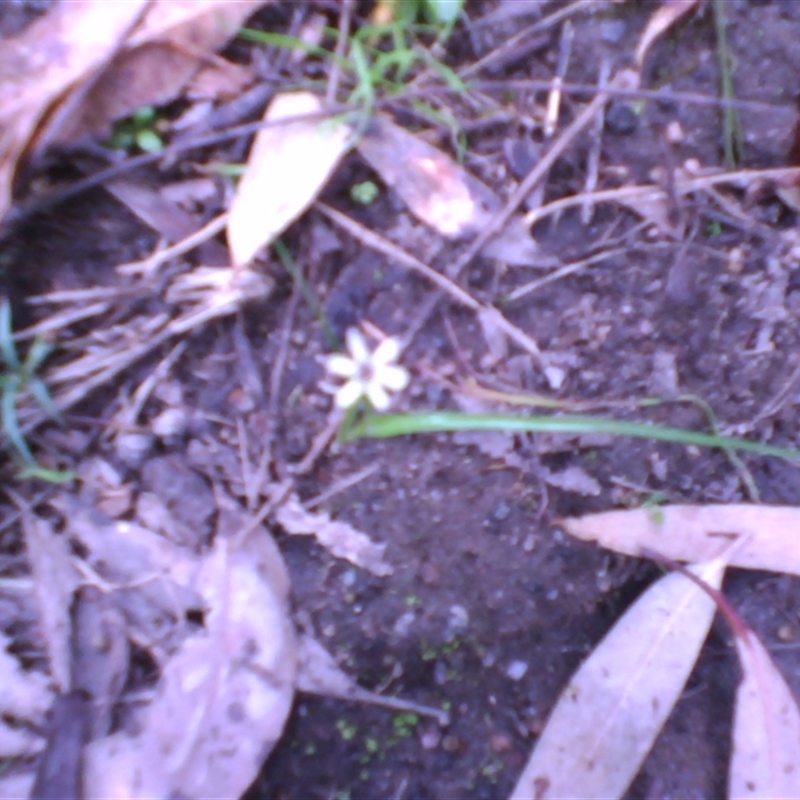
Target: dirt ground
490,607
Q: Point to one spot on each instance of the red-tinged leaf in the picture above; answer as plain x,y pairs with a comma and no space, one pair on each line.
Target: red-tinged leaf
765,757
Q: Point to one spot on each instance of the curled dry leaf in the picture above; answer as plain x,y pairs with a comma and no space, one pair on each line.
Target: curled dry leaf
609,715
54,580
222,699
287,167
765,755
340,538
441,193
699,533
667,14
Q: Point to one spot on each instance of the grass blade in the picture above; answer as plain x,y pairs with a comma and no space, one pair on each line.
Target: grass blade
382,427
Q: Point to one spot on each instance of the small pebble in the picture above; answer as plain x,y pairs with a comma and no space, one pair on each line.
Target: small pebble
621,120
500,742
555,376
133,448
459,618
501,511
516,670
170,424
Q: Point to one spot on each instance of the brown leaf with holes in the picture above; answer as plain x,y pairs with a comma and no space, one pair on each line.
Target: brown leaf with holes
440,192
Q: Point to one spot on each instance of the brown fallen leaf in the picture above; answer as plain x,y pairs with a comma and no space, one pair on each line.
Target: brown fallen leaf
157,61
667,14
609,715
53,54
699,533
340,538
223,697
441,193
287,167
765,753
54,580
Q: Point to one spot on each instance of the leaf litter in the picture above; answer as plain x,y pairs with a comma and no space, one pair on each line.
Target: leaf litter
453,203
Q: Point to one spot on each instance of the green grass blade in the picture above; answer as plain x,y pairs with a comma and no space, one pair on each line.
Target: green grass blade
7,348
10,423
382,427
291,43
59,476
38,389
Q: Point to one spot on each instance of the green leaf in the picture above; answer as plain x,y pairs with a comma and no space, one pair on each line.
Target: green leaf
7,347
445,12
10,423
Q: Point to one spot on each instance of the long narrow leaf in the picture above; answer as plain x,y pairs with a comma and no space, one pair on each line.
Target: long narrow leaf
609,715
384,427
10,423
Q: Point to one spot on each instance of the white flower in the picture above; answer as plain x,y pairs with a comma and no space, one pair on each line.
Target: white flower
367,374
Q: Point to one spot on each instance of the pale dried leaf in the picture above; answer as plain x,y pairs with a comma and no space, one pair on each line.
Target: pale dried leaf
440,192
700,533
223,698
340,538
152,577
609,715
668,13
494,335
573,479
54,580
652,205
287,168
765,757
50,56
12,787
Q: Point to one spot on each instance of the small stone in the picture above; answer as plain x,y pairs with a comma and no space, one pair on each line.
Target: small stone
500,742
516,670
555,376
785,633
430,738
459,618
170,424
403,625
501,511
133,448
621,120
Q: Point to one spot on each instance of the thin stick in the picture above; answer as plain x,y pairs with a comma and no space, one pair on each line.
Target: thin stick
623,79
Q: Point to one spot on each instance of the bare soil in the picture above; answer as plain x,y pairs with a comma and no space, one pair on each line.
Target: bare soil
490,607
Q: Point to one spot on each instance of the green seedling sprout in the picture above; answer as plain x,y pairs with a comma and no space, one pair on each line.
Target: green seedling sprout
20,376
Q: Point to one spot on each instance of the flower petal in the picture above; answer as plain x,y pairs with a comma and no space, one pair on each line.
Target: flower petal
377,396
349,394
388,350
392,377
357,346
341,365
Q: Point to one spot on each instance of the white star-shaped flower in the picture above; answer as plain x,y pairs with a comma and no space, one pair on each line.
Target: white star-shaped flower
367,374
